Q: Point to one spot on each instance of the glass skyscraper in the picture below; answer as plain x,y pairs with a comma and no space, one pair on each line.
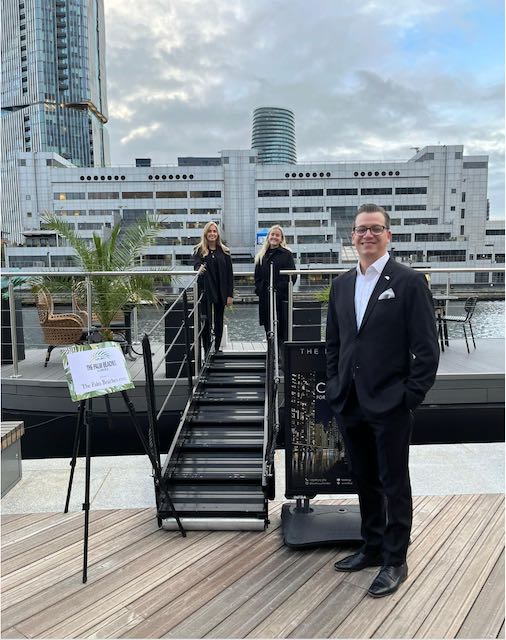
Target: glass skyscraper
53,79
273,135
53,85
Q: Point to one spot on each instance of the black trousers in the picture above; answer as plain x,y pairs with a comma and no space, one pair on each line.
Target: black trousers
214,318
378,452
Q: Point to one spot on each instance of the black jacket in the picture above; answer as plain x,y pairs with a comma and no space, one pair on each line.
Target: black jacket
222,287
282,259
393,356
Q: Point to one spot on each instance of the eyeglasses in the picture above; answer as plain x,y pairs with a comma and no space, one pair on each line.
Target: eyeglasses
375,229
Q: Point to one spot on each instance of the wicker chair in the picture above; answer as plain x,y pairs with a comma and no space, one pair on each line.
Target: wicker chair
58,329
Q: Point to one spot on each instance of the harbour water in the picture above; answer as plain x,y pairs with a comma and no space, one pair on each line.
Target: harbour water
242,323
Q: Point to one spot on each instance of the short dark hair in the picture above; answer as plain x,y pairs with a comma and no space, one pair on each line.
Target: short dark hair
373,208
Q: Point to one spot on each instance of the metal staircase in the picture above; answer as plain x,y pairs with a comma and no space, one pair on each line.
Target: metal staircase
215,469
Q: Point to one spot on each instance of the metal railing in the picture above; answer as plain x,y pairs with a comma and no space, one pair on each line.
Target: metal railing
336,272
272,380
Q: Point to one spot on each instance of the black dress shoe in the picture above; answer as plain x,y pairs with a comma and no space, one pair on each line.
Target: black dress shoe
357,562
388,580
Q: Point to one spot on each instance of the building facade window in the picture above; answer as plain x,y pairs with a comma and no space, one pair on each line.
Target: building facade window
171,194
205,194
342,192
137,195
411,207
411,221
307,192
69,195
273,209
103,195
409,190
376,191
494,232
432,237
401,237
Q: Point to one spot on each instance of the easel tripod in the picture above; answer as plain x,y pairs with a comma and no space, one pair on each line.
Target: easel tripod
84,422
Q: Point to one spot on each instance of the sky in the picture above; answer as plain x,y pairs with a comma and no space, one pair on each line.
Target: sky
366,81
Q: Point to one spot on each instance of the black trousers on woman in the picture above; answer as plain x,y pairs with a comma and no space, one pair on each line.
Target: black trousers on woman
214,320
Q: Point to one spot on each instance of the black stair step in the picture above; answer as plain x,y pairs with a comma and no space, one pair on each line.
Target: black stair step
242,366
230,396
240,355
224,414
217,466
213,498
221,379
224,439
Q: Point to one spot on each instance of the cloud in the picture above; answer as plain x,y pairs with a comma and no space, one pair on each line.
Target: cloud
365,81
140,132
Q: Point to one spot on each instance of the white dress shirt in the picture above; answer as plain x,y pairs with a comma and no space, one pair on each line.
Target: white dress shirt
365,284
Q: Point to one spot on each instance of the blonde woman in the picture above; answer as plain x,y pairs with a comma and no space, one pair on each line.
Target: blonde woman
216,282
275,251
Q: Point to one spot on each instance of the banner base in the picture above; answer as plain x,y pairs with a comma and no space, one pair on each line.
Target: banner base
322,525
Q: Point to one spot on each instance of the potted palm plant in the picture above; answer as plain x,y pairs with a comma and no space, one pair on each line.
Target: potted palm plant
119,252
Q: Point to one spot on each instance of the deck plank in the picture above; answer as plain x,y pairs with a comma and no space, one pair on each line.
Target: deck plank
486,616
437,577
451,609
364,621
148,583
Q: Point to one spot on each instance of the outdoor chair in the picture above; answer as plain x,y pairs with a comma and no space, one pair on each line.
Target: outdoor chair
464,318
58,329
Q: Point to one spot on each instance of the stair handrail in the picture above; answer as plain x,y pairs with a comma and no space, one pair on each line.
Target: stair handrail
272,378
154,415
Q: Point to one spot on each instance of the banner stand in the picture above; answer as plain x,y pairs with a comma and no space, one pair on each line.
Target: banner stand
315,456
105,373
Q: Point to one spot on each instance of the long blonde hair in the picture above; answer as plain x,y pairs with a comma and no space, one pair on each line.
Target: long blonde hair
203,247
263,250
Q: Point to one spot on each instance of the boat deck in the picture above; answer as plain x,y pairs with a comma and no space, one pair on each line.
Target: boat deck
488,358
148,583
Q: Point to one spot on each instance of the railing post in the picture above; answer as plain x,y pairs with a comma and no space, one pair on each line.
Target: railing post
14,331
290,308
89,308
135,321
196,327
447,292
187,342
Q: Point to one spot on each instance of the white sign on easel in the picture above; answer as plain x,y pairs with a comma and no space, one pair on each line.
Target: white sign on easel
96,370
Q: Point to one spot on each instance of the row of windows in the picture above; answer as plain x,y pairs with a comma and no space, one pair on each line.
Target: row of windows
366,191
288,223
133,195
494,232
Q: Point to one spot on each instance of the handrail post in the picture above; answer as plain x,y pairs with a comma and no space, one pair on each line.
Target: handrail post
196,327
89,310
187,342
135,322
14,331
447,292
290,309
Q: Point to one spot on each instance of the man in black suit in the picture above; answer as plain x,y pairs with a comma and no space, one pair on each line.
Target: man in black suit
382,358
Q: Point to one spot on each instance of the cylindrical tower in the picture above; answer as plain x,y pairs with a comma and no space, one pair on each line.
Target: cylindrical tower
274,135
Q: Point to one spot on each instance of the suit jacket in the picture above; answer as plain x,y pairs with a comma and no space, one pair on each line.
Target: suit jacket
393,356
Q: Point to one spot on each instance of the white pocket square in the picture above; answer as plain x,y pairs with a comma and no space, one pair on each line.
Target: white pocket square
387,295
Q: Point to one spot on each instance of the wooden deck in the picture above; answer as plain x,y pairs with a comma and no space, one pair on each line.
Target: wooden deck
147,583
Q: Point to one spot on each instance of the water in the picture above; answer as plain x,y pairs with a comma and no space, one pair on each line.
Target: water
242,322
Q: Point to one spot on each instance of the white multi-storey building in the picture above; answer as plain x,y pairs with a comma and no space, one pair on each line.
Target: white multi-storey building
437,201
